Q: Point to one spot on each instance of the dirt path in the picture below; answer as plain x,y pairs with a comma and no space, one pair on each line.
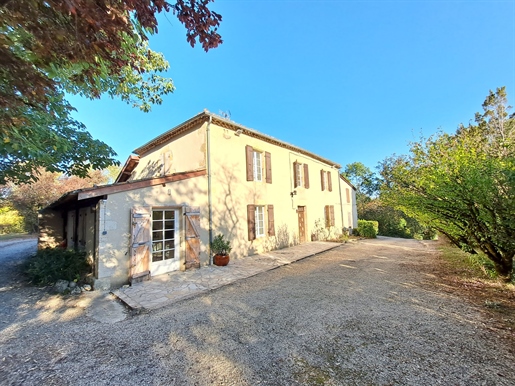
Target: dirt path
12,254
362,314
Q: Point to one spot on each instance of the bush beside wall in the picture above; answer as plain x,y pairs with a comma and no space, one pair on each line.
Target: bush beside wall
368,228
52,264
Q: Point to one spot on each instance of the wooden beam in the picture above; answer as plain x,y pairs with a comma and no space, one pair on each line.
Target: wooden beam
126,186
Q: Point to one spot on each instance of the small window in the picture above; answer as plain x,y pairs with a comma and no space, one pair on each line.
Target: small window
257,162
260,221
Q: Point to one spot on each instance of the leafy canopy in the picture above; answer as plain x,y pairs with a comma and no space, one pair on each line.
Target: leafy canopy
463,184
84,47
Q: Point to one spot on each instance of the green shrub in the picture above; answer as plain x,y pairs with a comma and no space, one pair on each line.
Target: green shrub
51,264
368,228
220,246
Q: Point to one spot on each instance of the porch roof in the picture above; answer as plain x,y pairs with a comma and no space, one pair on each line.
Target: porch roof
104,190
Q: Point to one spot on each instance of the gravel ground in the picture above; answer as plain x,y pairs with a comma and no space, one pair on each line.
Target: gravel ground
361,314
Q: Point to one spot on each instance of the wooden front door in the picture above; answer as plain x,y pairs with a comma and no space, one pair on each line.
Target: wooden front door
301,212
192,235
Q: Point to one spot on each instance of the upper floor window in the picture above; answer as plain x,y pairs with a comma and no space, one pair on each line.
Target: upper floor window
255,169
300,175
326,182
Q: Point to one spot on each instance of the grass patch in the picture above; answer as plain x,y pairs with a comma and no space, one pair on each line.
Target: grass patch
465,263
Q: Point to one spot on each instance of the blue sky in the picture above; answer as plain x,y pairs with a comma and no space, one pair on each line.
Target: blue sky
348,80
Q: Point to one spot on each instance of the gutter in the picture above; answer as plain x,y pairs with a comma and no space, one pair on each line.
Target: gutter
209,198
340,190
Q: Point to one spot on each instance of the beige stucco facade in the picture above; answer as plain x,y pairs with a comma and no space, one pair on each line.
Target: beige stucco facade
204,164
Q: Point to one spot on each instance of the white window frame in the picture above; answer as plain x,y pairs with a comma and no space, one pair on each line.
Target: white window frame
257,165
163,229
300,175
259,223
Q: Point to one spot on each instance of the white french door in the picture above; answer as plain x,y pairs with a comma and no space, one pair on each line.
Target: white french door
165,241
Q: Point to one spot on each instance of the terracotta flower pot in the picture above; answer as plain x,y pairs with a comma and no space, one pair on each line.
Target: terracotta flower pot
221,260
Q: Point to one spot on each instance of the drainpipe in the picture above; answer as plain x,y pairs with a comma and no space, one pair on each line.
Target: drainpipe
209,198
340,189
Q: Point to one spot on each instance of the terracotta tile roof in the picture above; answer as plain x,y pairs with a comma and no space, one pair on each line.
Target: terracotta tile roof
205,116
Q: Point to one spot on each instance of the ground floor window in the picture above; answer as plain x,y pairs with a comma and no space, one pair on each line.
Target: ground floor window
163,234
260,221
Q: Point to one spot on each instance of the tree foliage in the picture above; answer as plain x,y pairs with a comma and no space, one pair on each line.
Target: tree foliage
28,199
463,184
10,221
85,47
365,182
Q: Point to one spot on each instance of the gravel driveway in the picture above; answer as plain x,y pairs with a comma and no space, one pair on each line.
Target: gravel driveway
361,314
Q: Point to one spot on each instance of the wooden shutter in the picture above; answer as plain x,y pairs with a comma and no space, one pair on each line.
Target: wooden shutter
347,193
322,179
331,215
329,182
295,171
306,176
140,241
192,237
251,221
271,226
327,216
268,167
249,152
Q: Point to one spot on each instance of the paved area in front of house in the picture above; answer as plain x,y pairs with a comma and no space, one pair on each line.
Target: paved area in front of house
165,289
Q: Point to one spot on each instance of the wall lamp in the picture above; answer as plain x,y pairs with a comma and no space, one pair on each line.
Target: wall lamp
238,132
294,193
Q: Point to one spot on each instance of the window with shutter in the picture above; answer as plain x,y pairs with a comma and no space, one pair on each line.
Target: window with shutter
254,165
322,179
257,165
329,216
329,182
347,193
260,221
298,174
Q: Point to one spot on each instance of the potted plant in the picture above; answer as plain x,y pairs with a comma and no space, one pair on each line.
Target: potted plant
221,249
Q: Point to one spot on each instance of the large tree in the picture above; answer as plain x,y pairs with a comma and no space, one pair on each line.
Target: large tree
86,47
463,184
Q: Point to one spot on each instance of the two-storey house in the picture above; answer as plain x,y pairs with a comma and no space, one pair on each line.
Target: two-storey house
209,175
